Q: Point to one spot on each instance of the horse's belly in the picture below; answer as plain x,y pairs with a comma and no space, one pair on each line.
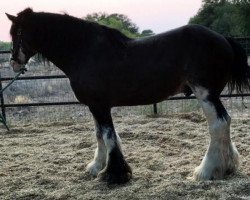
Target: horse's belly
145,96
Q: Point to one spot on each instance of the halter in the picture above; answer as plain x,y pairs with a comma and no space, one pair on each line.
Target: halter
14,51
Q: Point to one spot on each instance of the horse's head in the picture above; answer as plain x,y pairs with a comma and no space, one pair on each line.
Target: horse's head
22,43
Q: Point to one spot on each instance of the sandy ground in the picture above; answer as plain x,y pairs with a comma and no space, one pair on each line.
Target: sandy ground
47,161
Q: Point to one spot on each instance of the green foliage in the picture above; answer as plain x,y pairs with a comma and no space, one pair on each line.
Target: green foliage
147,32
228,17
5,46
120,22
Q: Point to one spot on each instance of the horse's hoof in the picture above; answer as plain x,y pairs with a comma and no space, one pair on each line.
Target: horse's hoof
211,170
200,174
116,177
94,168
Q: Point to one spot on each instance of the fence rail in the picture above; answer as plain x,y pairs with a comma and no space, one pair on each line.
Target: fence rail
244,41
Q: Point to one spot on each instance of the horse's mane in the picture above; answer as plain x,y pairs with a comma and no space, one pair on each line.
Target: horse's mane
79,26
116,35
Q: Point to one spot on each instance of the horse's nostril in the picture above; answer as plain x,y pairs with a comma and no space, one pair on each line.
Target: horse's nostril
12,63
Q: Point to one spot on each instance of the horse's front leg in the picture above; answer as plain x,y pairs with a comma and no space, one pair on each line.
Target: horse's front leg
99,161
109,163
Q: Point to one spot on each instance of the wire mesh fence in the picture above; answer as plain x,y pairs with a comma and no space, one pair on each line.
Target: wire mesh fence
235,106
38,92
245,43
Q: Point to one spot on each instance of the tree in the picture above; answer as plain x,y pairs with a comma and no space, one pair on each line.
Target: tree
4,46
228,17
120,22
245,16
147,32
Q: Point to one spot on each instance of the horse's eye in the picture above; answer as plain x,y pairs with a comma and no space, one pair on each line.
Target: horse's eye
19,32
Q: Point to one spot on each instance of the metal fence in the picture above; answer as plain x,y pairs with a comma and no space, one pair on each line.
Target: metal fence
245,43
19,95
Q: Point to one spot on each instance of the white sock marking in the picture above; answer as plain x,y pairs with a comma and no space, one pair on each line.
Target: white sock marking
221,154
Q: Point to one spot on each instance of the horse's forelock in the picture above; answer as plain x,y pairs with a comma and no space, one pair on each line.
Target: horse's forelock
19,19
25,12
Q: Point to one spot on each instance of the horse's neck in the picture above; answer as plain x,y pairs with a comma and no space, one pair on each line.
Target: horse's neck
56,58
77,41
60,51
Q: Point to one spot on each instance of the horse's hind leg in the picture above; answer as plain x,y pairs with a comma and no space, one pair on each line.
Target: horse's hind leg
109,163
222,156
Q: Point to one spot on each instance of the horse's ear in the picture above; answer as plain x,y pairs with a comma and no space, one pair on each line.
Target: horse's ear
11,17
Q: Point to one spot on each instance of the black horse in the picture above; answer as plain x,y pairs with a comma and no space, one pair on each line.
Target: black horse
108,69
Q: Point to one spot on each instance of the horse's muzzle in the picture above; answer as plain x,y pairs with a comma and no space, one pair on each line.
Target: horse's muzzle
16,66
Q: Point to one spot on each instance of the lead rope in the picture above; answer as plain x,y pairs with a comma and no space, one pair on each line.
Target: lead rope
22,71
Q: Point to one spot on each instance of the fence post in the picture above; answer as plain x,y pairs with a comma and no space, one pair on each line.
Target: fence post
2,100
155,108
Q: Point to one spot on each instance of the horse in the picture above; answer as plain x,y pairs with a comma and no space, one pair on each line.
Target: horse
106,69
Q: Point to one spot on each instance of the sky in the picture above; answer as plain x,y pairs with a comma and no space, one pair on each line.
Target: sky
157,15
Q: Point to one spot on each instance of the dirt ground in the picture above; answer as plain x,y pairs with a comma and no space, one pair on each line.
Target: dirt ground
47,161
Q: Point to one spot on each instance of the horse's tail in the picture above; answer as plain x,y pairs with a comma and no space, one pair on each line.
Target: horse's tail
240,77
